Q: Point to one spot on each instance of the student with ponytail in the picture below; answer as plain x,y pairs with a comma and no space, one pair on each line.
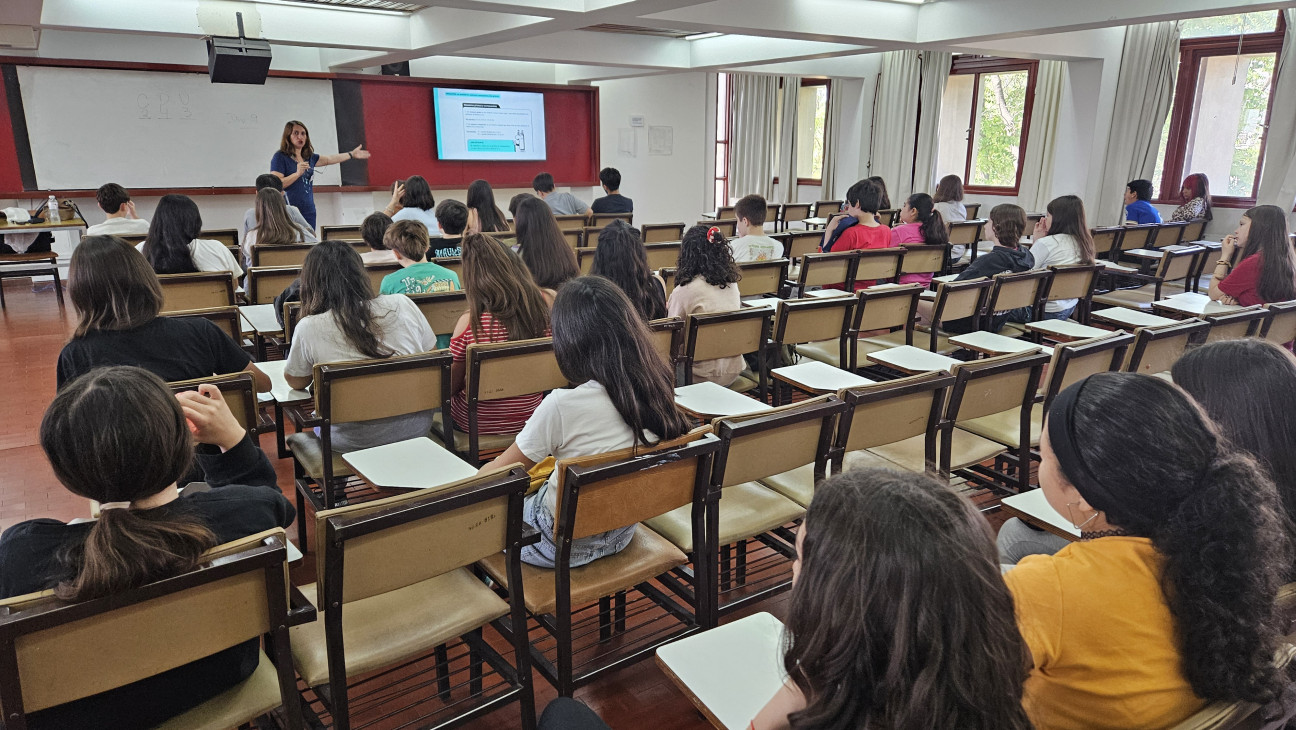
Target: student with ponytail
1167,601
920,223
118,436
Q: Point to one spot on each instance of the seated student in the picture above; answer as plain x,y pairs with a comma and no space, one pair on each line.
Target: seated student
884,201
412,201
122,220
543,247
173,245
274,227
949,202
706,280
1138,210
341,320
1062,237
1265,269
622,259
624,397
270,180
118,436
483,215
1195,193
561,203
409,241
453,218
515,201
117,299
612,201
504,304
920,223
1168,600
1007,257
856,226
752,244
898,617
373,230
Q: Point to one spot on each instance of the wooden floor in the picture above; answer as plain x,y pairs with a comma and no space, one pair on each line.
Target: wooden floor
33,329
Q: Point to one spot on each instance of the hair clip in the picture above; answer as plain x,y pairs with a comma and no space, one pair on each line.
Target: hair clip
712,231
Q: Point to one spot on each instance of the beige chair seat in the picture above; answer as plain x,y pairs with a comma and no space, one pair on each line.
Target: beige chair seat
648,555
1012,329
309,450
745,382
1005,427
797,485
921,340
1132,298
384,629
254,696
967,449
746,510
485,441
865,459
826,351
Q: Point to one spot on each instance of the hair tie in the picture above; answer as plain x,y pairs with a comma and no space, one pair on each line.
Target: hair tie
1062,439
712,232
104,506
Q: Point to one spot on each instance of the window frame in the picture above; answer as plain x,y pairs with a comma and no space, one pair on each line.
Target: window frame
1192,52
963,65
723,175
827,83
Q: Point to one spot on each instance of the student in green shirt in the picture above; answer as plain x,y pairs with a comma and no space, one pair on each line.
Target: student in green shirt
409,241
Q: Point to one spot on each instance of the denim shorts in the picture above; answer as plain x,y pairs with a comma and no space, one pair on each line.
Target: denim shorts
584,550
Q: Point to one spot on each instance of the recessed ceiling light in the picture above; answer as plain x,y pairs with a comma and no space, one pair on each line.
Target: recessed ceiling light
700,36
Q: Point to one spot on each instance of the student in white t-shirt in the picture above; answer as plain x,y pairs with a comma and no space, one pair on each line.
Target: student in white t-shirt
173,245
1062,237
624,397
122,221
412,201
752,244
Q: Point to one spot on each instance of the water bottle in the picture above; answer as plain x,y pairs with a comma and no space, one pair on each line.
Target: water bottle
52,212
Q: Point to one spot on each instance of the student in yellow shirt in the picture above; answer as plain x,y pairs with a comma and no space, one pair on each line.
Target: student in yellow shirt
1167,601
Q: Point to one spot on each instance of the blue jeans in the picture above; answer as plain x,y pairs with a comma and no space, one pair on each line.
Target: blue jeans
584,550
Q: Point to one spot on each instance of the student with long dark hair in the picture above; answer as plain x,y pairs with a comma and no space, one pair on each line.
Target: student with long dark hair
173,245
706,280
342,320
273,226
412,201
624,397
545,251
622,259
1265,269
922,224
884,201
483,215
1062,237
1195,193
898,617
118,436
117,299
1167,602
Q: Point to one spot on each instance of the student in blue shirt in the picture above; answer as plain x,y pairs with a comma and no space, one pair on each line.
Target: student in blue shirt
295,164
1138,210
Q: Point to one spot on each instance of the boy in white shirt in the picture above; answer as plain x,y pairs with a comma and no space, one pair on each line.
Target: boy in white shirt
752,244
122,221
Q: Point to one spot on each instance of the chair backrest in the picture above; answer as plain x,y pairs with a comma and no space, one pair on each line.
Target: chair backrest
800,243
814,319
575,237
508,238
453,263
1235,325
724,211
199,290
1281,325
56,652
1177,265
823,269
763,444
827,208
600,220
965,233
727,226
1156,349
773,214
662,255
376,273
1167,234
1106,240
264,283
505,369
288,254
134,240
291,316
667,337
1134,237
227,318
668,278
994,385
959,299
662,232
227,236
364,390
924,259
762,277
1073,281
238,391
1020,289
570,222
782,237
585,260
329,233
590,236
795,212
881,264
726,334
887,308
892,411
1075,361
972,209
1193,231
888,217
442,310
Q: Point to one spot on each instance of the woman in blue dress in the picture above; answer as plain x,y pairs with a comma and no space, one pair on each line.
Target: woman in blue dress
295,164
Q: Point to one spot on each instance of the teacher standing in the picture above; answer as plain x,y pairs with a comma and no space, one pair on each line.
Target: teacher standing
295,164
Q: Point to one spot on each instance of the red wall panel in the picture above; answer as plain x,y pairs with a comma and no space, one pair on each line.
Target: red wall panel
10,178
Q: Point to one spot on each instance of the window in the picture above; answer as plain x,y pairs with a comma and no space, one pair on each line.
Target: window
812,117
984,119
722,141
1219,118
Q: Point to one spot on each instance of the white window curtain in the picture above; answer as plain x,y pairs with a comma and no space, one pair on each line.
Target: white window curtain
787,147
1037,170
754,106
832,140
1278,177
1144,90
891,148
935,74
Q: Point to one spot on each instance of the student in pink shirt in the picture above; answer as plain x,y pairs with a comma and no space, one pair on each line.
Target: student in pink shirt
920,223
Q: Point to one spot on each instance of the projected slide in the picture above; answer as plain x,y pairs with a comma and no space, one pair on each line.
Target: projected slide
489,125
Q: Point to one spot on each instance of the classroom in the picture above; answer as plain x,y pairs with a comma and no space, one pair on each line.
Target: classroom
684,364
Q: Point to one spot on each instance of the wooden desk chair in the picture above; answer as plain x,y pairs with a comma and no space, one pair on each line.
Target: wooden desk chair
835,268
667,336
376,273
817,328
922,259
1280,328
229,237
888,217
1133,237
56,652
1156,349
782,238
761,277
973,209
134,240
1023,289
329,233
754,447
575,237
571,222
663,255
582,611
601,220
442,309
290,254
1235,325
1075,281
668,278
1172,277
350,392
396,589
23,265
662,232
508,238
800,243
1193,231
453,263
727,226
1167,234
267,282
239,392
716,335
590,235
793,212
826,208
954,300
1106,240
889,308
227,318
585,260
773,215
498,370
199,290
966,233
724,211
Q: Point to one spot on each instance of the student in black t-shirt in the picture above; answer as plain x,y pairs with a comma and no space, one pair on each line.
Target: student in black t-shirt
117,297
613,201
1009,223
117,435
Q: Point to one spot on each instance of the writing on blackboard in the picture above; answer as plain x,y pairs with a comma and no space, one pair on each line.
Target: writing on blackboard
163,105
244,121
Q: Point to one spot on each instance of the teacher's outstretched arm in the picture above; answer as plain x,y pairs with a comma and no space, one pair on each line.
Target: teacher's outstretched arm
359,153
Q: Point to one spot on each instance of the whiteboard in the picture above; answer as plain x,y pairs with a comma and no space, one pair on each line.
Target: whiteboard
147,129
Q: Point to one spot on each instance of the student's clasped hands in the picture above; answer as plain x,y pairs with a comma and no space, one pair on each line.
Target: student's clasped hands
209,417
